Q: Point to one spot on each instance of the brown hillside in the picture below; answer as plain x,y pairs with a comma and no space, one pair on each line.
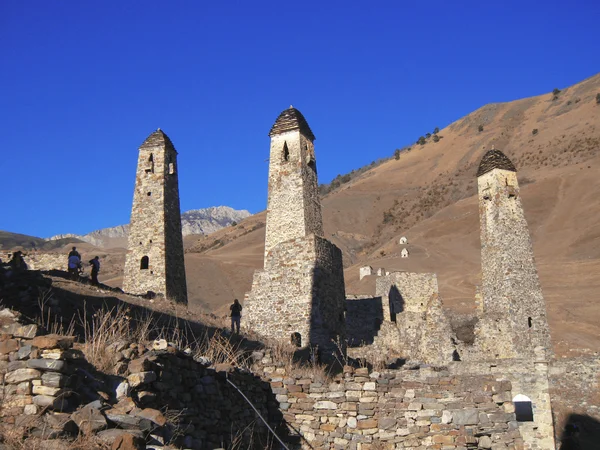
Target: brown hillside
428,195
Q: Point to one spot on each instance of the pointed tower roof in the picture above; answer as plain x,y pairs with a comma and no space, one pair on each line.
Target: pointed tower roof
291,119
494,159
158,139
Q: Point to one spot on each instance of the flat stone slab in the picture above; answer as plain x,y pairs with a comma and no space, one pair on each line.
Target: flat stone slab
89,420
47,364
52,341
20,375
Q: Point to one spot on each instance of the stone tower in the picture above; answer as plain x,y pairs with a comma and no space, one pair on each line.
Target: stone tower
154,260
514,322
299,296
293,205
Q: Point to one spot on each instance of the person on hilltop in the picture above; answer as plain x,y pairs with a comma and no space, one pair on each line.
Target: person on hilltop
236,315
74,252
74,265
95,263
17,263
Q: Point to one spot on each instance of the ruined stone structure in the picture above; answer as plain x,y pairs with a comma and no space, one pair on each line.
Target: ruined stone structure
414,324
300,295
513,322
365,271
154,260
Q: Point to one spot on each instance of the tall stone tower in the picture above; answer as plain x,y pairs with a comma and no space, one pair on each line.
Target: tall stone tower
293,206
514,323
299,296
154,260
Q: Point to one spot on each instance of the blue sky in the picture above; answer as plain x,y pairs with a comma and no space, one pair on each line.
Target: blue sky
82,84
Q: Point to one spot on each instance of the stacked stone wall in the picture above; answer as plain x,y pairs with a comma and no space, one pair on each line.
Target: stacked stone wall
426,408
161,395
42,261
575,393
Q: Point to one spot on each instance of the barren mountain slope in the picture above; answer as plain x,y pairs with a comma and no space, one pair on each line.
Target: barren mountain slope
429,196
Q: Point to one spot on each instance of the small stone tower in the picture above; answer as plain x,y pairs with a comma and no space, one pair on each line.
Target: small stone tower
154,260
299,297
513,323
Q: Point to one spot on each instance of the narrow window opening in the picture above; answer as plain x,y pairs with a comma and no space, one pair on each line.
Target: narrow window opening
151,241
523,408
286,152
455,356
144,263
529,321
296,339
140,243
150,164
313,165
149,194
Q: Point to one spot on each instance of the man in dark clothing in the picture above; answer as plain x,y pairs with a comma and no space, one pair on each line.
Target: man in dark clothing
95,263
236,315
74,252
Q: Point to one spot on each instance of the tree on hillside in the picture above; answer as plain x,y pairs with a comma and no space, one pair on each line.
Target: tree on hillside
428,135
436,138
555,91
421,141
397,154
480,128
436,130
598,99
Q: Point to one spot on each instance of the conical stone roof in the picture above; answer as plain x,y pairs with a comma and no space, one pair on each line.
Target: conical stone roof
158,139
291,119
494,159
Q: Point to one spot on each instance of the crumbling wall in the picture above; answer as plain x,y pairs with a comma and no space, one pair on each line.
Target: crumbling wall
42,261
414,325
162,395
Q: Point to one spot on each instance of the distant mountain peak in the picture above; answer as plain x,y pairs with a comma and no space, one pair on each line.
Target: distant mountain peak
195,221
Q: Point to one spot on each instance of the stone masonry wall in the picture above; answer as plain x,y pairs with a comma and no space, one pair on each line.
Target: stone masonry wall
161,395
155,226
513,321
413,409
575,393
43,261
301,291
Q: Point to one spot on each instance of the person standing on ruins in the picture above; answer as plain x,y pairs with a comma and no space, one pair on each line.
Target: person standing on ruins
236,315
74,264
95,263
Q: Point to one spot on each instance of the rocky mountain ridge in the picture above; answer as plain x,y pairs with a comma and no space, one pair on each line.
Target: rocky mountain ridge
195,221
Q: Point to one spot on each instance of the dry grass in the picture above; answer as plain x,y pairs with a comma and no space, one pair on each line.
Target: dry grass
13,438
111,327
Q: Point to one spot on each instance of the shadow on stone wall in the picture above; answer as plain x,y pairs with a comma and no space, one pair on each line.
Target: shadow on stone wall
25,293
396,302
581,432
363,320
